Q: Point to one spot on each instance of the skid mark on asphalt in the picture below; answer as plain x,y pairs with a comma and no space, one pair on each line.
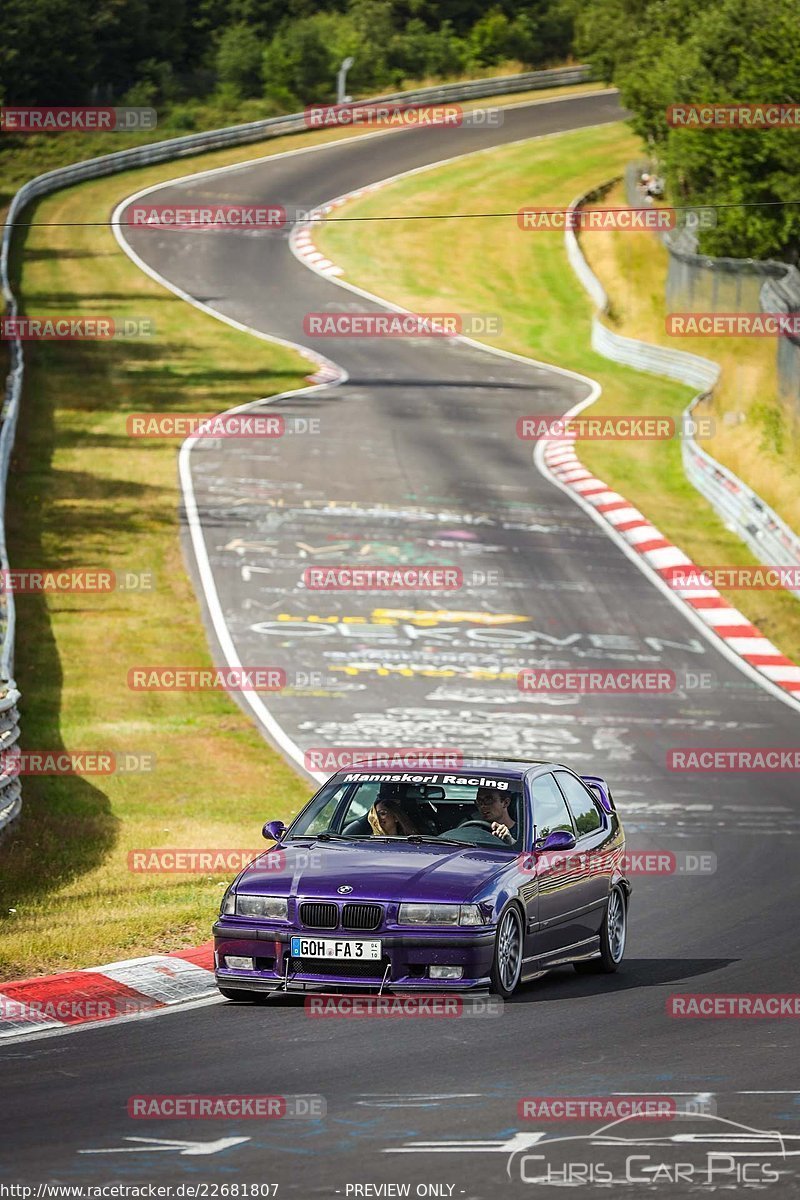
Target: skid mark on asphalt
414,1100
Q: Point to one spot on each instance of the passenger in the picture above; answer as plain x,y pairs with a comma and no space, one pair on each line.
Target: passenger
387,819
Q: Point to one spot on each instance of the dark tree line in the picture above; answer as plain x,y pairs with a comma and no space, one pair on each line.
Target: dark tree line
278,55
165,51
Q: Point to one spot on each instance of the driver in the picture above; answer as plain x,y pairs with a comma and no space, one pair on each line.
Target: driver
494,809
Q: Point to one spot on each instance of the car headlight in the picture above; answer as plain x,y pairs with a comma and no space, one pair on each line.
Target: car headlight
228,906
274,907
439,914
470,915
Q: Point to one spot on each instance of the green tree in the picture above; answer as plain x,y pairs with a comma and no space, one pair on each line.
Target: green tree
489,38
47,53
238,60
523,40
606,33
372,28
298,66
409,49
555,31
448,54
739,51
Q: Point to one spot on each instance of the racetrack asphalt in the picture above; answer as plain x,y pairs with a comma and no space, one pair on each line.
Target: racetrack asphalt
417,454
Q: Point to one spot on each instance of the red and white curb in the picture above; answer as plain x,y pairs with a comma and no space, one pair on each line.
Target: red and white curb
308,251
301,238
732,626
121,989
325,374
304,248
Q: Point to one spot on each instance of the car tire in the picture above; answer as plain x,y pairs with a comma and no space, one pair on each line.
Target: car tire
613,936
507,958
239,994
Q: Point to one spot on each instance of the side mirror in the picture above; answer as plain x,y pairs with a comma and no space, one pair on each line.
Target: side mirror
559,840
274,830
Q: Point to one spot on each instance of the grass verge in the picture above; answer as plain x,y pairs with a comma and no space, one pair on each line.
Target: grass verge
755,433
488,264
81,494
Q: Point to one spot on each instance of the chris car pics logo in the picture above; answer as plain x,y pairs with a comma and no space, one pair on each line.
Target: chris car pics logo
698,1149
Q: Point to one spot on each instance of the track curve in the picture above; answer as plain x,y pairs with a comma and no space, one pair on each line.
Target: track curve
417,454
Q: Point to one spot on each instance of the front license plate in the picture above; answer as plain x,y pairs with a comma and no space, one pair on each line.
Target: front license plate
357,949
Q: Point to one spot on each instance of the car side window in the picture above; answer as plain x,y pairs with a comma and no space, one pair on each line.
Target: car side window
362,802
550,812
319,821
581,802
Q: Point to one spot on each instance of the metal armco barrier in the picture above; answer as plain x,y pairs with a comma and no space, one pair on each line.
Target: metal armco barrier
141,156
10,789
771,540
710,283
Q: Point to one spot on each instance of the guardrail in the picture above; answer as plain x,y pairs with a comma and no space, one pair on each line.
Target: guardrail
714,283
771,540
502,85
10,789
148,155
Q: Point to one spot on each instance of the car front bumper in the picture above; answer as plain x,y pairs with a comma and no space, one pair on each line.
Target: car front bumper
406,954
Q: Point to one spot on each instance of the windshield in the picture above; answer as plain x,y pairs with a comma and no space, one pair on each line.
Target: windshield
445,807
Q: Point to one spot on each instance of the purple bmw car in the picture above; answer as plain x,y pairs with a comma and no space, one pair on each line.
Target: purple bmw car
477,878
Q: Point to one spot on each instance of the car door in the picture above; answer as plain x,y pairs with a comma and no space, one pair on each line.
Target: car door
557,923
592,829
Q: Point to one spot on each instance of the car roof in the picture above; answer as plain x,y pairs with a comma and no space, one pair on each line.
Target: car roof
514,767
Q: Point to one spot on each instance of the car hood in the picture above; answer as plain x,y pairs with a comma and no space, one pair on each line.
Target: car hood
374,870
